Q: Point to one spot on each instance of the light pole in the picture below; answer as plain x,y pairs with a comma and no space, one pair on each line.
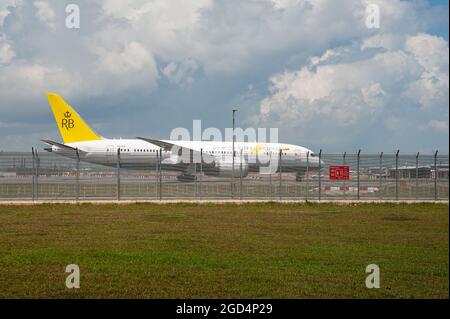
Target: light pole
232,168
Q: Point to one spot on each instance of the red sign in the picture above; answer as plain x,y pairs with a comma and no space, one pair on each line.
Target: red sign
340,172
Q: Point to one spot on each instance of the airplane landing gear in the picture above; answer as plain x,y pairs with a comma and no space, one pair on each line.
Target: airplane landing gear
186,178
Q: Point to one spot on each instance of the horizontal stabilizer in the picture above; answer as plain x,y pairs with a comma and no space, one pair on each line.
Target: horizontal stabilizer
65,147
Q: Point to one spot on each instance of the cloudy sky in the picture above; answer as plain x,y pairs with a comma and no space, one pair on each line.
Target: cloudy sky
311,68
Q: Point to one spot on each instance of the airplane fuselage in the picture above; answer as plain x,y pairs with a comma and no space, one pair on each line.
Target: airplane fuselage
136,153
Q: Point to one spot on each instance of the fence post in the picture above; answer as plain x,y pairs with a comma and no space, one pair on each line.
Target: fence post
32,173
307,175
78,175
396,175
160,174
343,180
320,174
232,173
118,174
270,178
38,163
240,178
279,175
201,173
435,176
357,173
381,177
417,175
157,175
195,177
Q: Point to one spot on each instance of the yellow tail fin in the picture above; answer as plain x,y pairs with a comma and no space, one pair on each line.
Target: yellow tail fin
70,124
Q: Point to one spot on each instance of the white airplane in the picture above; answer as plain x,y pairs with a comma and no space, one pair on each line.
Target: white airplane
80,141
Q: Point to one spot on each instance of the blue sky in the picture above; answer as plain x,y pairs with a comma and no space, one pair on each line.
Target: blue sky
440,29
311,68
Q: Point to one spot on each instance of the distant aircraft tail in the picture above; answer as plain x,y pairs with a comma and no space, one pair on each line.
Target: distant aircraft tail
70,124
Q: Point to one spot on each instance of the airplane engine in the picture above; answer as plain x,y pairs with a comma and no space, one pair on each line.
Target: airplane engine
224,168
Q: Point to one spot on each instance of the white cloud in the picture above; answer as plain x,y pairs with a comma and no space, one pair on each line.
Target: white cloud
7,54
181,73
431,52
45,13
373,95
167,28
390,41
132,57
283,4
4,12
225,37
25,81
365,93
439,126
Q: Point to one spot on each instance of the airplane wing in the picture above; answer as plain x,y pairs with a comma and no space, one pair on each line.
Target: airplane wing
164,145
180,150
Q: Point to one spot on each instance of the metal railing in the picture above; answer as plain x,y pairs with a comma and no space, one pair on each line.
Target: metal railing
396,176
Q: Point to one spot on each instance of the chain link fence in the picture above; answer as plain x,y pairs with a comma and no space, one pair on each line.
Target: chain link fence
395,176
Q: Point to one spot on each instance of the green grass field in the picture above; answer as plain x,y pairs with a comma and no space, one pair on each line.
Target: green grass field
224,250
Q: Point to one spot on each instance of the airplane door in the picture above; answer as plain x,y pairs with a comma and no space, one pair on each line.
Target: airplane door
111,150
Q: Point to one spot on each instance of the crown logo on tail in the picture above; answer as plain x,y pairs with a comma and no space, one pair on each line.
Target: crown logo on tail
67,114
